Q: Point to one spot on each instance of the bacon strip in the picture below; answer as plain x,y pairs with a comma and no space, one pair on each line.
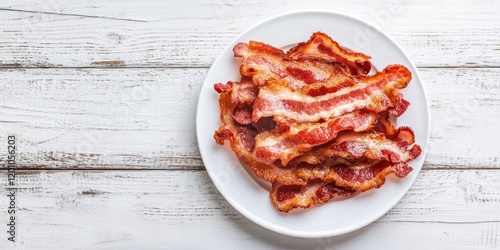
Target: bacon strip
243,92
242,141
265,64
400,107
270,146
321,47
288,197
353,145
338,180
376,93
360,176
384,126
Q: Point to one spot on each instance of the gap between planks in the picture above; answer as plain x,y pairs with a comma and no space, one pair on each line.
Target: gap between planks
205,67
73,15
447,222
204,169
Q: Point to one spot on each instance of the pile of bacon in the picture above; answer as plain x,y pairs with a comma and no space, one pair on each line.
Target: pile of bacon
314,122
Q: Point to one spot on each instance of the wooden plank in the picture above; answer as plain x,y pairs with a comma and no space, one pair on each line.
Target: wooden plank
145,118
162,34
150,112
183,209
463,112
47,145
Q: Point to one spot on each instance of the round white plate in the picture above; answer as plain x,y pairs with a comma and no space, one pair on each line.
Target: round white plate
248,194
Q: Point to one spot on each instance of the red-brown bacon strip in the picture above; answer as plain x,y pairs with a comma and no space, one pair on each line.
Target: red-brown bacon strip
400,107
353,145
288,197
265,64
384,125
270,146
242,142
243,92
376,93
358,175
337,180
321,47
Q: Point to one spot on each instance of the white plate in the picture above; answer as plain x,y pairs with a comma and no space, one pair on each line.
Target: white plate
248,194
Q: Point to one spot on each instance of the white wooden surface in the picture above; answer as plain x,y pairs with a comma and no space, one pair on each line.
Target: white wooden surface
102,96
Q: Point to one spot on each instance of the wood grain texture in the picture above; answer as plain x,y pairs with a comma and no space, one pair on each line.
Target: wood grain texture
145,118
149,113
182,209
102,96
162,34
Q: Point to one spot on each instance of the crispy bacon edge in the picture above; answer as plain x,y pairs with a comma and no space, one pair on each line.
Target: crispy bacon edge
288,197
266,65
241,141
322,47
353,145
358,175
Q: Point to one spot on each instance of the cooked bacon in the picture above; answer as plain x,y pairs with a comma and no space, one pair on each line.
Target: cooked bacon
354,145
270,146
220,87
358,175
376,93
321,47
283,124
331,86
244,92
264,124
400,107
288,197
405,135
265,64
313,123
337,180
384,125
243,114
242,142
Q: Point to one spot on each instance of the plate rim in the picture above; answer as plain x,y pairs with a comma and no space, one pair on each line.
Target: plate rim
281,229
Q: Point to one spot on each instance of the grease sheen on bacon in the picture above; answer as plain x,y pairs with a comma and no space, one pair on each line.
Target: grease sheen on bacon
265,64
375,146
359,175
270,147
376,93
